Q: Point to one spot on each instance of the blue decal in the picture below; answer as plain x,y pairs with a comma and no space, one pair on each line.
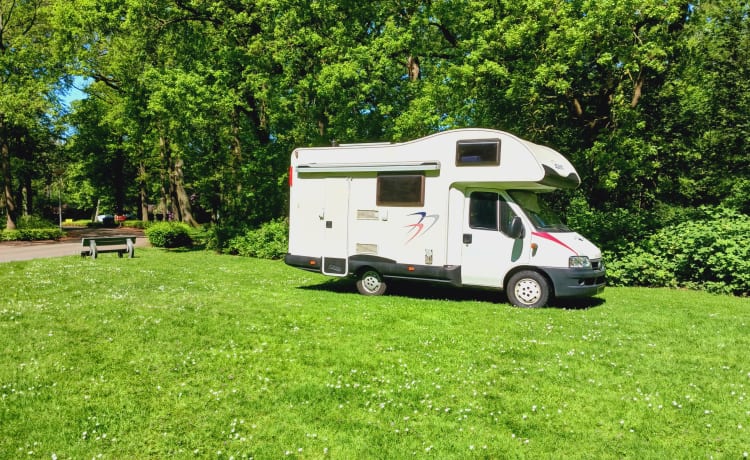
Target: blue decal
418,228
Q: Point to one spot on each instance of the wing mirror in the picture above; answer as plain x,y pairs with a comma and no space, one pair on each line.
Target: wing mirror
516,230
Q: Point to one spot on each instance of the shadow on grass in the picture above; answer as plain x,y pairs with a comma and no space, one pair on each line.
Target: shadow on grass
196,247
437,291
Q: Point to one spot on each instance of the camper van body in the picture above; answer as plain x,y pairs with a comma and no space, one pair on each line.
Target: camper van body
461,207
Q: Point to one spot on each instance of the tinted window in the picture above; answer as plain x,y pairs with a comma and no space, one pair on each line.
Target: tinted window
483,210
490,211
478,153
400,190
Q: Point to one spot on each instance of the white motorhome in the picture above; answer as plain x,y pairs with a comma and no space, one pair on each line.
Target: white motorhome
463,207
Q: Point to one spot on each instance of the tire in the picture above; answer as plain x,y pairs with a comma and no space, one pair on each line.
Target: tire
371,283
528,289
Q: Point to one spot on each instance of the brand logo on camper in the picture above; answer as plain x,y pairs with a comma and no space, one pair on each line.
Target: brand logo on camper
418,228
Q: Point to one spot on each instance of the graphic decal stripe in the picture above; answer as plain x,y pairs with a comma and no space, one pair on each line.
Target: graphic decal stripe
547,236
418,227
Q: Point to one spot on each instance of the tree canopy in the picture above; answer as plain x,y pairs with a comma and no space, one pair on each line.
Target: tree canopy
193,106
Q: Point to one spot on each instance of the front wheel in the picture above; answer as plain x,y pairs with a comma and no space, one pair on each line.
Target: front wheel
370,283
528,289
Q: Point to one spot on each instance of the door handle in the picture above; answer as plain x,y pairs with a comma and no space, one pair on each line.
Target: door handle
467,238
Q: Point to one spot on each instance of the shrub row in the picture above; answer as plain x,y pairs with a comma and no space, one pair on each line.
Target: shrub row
31,234
269,241
32,228
709,252
705,248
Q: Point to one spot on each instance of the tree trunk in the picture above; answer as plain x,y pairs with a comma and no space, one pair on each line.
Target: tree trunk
637,91
235,166
165,203
143,194
118,179
7,178
25,200
185,209
412,64
96,210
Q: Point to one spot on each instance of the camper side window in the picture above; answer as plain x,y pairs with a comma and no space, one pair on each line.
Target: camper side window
400,190
484,152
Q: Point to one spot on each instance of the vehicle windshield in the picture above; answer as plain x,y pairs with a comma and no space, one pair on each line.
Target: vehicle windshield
538,211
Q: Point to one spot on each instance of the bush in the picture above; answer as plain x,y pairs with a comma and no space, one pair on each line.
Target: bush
31,234
135,224
32,228
611,230
270,241
169,235
34,222
710,253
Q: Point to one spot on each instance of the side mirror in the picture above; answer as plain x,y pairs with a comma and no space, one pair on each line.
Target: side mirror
516,230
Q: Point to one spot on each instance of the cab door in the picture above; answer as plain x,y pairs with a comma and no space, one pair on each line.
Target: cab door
489,249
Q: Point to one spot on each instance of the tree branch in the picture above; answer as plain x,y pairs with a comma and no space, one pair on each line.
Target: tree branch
449,37
108,81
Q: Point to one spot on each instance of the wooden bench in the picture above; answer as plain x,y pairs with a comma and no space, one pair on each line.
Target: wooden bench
93,243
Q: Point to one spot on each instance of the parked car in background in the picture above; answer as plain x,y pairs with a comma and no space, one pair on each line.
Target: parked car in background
106,219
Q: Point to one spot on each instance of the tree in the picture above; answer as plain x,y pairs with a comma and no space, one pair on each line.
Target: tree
29,71
706,108
208,98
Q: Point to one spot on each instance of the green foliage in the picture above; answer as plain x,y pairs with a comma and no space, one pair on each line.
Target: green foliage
711,253
169,235
31,234
31,221
270,241
618,229
135,224
32,228
611,230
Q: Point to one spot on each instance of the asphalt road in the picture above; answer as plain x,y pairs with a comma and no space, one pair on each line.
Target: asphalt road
68,246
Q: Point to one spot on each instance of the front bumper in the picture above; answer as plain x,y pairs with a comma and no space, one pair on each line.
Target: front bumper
577,282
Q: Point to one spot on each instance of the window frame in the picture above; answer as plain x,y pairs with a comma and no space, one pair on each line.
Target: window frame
474,147
503,212
383,181
472,220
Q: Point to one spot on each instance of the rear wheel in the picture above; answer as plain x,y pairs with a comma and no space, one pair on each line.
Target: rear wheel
370,283
528,289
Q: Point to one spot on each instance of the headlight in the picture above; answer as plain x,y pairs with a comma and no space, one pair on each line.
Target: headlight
579,262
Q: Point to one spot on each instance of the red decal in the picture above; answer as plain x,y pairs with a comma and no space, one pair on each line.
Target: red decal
547,236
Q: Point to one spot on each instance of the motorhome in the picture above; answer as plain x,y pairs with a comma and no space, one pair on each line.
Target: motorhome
464,207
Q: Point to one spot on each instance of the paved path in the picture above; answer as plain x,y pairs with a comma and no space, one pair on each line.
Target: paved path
68,246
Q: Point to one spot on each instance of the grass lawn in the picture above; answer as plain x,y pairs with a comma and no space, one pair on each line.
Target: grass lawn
190,354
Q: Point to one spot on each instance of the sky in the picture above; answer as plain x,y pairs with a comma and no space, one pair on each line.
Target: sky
75,92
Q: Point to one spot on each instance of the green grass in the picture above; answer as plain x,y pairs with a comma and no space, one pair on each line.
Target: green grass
191,354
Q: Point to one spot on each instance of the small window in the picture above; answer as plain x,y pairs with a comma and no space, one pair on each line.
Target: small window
490,211
483,210
400,190
485,152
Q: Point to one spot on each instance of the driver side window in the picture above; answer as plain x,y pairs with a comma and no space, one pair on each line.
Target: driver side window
490,211
483,211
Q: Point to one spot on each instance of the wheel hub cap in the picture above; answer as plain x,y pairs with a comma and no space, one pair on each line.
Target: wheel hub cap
371,283
528,291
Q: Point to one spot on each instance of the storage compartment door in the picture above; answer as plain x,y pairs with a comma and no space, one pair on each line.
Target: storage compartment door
335,221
